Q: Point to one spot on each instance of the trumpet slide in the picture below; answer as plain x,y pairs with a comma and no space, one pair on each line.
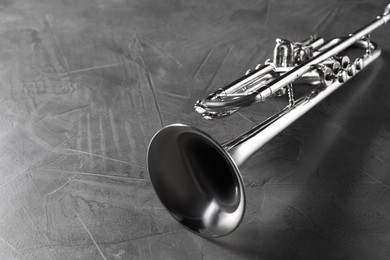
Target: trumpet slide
197,179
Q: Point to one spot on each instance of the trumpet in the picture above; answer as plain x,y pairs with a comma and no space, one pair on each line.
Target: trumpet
196,178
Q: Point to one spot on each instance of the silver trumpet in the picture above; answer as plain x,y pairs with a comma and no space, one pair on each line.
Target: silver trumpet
197,179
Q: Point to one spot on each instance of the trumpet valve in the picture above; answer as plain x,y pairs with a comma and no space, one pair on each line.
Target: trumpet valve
326,74
303,53
351,69
283,53
342,76
359,64
344,61
334,65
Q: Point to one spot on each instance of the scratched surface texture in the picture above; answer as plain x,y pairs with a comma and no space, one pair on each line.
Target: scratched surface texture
85,85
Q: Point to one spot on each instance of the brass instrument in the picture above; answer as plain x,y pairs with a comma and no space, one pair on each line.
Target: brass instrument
197,179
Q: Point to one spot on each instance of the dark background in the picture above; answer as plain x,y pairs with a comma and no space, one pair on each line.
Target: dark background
85,85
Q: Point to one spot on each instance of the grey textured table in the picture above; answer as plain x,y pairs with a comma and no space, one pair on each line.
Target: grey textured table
86,84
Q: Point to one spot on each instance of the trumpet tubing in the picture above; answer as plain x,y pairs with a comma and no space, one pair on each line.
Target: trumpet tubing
196,178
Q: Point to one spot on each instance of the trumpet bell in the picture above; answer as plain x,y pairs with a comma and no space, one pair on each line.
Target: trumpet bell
196,180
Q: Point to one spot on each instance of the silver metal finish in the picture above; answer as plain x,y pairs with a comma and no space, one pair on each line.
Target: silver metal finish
197,179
